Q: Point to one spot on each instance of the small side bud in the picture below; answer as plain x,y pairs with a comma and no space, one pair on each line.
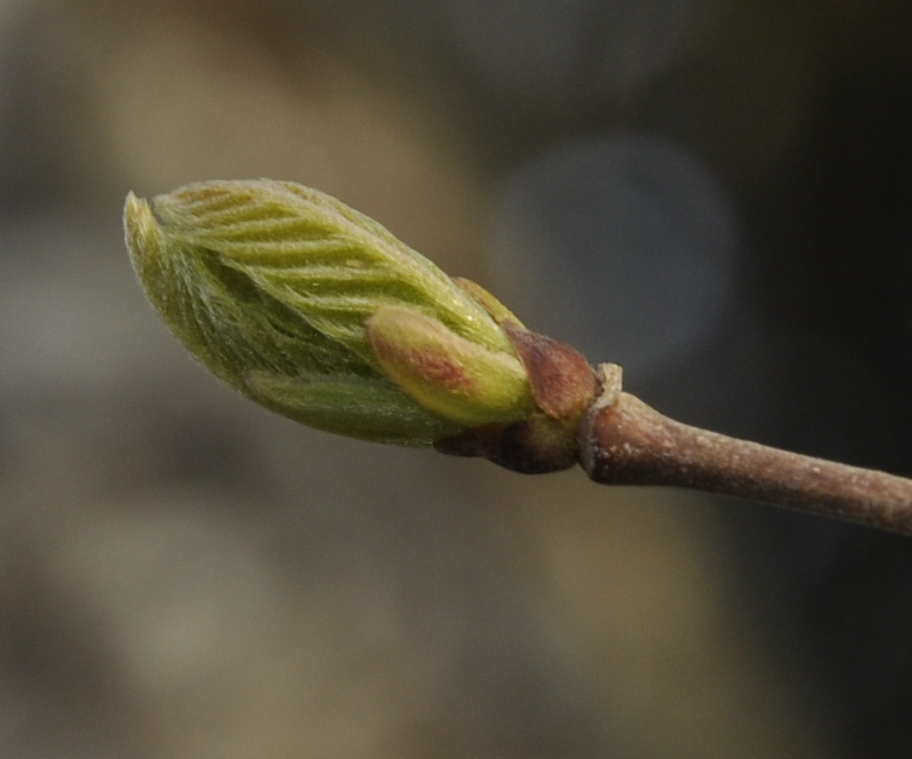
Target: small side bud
458,379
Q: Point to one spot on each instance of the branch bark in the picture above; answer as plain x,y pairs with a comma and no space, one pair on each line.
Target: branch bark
624,441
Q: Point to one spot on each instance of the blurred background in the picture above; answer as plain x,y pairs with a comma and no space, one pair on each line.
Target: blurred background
715,195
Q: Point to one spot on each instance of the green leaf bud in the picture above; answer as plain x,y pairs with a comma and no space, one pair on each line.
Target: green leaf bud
273,285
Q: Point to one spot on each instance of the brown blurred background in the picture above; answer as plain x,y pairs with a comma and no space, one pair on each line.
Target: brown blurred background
714,194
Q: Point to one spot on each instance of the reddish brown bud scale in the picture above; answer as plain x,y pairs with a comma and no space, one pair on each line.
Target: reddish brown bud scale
563,383
536,445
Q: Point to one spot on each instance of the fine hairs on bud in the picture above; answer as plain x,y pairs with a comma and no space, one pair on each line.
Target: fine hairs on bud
319,313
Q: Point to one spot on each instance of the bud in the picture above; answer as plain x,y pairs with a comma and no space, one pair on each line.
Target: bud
456,378
320,314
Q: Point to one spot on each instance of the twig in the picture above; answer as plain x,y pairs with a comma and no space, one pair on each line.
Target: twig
624,441
318,313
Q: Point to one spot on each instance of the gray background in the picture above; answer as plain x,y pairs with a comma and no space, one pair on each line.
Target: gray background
715,195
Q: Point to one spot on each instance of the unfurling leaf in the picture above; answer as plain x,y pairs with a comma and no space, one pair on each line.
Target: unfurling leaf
317,312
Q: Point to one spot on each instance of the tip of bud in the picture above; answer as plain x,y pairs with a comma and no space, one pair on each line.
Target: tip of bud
140,226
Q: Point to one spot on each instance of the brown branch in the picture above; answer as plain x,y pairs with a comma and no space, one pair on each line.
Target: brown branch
624,441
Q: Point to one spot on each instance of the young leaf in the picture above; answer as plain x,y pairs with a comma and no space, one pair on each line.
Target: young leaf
272,286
